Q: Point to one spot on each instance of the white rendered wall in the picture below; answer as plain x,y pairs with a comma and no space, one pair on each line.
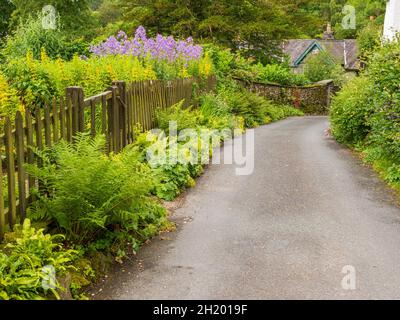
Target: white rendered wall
392,20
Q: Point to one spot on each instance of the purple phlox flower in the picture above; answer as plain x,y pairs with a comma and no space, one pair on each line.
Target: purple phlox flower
141,33
122,35
159,48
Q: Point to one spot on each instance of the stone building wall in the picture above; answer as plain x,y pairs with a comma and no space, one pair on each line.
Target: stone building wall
312,99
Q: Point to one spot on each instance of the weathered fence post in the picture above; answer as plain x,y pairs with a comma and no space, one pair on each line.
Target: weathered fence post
113,121
30,157
123,112
76,96
2,216
12,210
20,153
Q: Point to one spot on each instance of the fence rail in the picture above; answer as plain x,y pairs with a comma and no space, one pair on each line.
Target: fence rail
114,113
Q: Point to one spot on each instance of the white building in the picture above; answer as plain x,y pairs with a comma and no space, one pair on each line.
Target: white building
392,20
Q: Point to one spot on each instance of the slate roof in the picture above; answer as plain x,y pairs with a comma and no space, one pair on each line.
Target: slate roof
344,52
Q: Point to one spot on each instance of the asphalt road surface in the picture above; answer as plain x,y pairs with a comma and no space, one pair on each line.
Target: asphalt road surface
285,232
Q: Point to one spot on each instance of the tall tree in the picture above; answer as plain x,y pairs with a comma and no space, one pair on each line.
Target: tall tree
254,25
335,12
75,16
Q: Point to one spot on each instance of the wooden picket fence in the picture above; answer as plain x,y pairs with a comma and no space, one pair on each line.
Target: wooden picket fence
114,113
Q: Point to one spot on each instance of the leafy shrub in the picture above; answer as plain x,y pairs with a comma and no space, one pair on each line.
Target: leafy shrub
30,36
212,104
247,105
228,64
216,113
88,194
256,110
184,117
384,71
174,176
38,71
366,112
351,110
32,83
279,112
171,175
213,114
274,73
22,261
171,180
173,172
322,67
9,102
369,39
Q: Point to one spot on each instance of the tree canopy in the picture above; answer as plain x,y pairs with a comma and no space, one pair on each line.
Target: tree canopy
6,9
75,16
255,26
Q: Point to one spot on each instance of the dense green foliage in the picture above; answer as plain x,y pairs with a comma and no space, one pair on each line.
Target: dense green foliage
280,74
366,112
256,25
88,194
112,203
256,110
369,39
37,80
322,67
229,64
9,101
22,261
351,111
75,17
334,11
29,36
172,177
250,27
6,9
232,107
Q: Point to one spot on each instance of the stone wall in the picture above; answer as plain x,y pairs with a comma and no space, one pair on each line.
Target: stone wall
312,99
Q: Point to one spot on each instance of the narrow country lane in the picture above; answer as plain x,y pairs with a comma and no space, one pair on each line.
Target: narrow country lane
284,232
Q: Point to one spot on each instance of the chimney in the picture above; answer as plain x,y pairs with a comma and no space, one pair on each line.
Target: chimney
329,34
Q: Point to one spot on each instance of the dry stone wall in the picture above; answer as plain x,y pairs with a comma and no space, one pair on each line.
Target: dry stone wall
312,99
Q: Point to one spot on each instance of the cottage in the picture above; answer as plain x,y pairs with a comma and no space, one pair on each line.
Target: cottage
344,51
